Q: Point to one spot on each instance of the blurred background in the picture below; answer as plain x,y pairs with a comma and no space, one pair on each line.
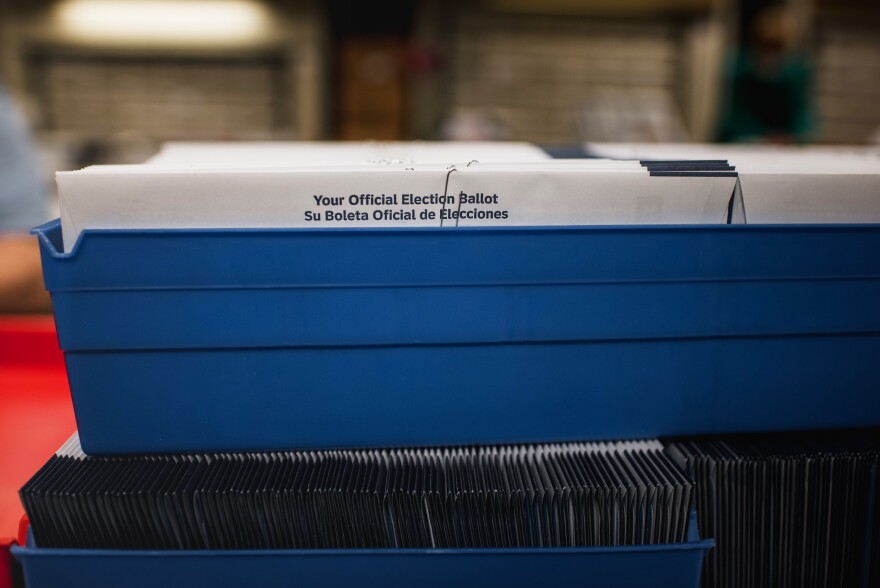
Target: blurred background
104,81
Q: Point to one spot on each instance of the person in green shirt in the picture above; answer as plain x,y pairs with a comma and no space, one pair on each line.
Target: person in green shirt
768,86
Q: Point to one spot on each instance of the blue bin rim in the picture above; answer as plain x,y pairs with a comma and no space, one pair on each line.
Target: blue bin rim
49,233
32,550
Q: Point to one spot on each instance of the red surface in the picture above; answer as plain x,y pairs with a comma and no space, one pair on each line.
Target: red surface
36,415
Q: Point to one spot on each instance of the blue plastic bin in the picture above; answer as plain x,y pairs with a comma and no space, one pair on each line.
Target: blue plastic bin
675,565
207,340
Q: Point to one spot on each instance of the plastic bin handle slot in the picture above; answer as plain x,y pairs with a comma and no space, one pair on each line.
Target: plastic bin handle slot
49,235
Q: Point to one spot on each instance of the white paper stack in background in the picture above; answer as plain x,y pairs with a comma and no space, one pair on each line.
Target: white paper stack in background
785,185
296,153
193,194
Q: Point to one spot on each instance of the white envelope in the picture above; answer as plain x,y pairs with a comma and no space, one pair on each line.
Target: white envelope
571,196
785,185
145,197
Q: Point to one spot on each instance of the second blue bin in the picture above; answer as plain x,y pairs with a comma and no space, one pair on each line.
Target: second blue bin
669,565
210,340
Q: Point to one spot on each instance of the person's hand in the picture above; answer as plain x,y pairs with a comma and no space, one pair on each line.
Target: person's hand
21,277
